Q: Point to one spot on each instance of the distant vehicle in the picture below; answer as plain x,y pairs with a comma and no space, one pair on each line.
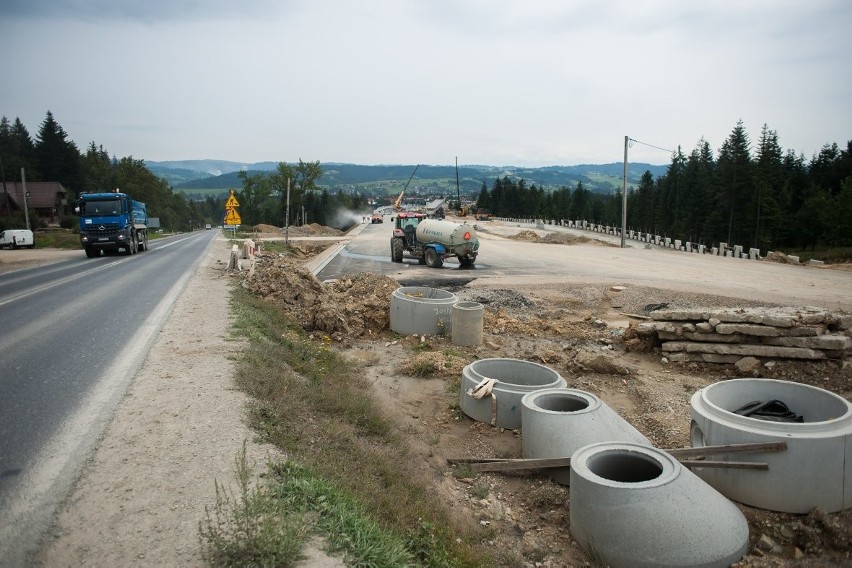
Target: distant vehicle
207,226
112,221
430,241
17,238
377,218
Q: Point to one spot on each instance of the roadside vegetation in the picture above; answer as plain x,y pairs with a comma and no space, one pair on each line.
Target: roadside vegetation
349,477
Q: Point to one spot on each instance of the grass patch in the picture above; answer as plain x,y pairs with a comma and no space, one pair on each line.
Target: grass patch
353,465
57,239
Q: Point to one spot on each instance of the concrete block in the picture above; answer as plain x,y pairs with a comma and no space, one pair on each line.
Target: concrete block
421,310
557,422
744,350
747,329
637,506
814,471
824,342
514,378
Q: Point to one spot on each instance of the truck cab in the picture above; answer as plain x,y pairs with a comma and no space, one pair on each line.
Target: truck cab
112,221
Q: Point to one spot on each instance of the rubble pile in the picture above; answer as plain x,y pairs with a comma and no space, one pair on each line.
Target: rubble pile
728,335
350,307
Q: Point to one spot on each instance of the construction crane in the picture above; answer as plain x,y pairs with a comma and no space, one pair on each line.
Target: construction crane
397,205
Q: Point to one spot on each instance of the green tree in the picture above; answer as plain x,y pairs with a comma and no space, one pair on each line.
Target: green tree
254,198
768,184
734,184
96,170
17,150
57,159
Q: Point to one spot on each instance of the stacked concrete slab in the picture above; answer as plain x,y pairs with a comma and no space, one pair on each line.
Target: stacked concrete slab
727,335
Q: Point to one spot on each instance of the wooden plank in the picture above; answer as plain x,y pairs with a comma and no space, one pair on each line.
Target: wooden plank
521,464
496,464
725,464
751,448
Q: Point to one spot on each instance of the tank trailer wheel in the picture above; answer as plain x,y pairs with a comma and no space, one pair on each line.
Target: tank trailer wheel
432,258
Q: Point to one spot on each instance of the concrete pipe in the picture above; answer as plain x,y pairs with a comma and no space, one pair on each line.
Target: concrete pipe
555,423
421,310
636,506
513,379
816,468
467,323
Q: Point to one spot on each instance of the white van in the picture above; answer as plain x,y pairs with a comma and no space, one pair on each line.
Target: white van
16,238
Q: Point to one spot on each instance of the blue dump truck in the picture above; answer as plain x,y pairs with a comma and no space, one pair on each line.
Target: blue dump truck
110,222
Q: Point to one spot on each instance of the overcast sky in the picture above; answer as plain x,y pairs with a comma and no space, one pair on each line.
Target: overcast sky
498,82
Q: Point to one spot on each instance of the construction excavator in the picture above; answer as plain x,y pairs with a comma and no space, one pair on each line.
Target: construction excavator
397,205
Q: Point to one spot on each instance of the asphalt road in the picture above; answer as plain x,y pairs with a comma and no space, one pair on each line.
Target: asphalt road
514,261
72,336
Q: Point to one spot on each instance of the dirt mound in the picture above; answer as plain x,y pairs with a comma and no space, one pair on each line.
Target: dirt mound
315,230
309,230
564,239
781,257
554,238
350,307
266,229
530,236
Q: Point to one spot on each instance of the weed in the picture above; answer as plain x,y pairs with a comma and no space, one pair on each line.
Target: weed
480,490
424,368
463,471
247,528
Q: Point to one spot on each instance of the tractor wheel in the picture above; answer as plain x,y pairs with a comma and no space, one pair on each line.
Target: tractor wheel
396,250
432,258
91,252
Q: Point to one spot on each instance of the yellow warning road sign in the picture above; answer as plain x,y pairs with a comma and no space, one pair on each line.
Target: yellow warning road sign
232,217
232,202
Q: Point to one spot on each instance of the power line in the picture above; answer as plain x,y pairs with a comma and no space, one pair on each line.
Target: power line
650,145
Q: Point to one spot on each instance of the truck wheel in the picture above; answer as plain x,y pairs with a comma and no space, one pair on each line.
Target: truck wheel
432,258
91,252
131,246
143,245
396,250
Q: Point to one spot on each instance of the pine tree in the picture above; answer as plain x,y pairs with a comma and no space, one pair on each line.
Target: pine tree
734,182
768,183
57,159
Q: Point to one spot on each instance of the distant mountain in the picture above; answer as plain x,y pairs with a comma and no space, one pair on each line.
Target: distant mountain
221,175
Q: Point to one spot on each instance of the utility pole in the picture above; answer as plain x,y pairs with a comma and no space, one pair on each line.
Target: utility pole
287,216
458,191
26,207
624,195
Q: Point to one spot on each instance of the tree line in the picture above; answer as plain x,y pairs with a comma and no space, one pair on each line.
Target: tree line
763,197
766,198
51,156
